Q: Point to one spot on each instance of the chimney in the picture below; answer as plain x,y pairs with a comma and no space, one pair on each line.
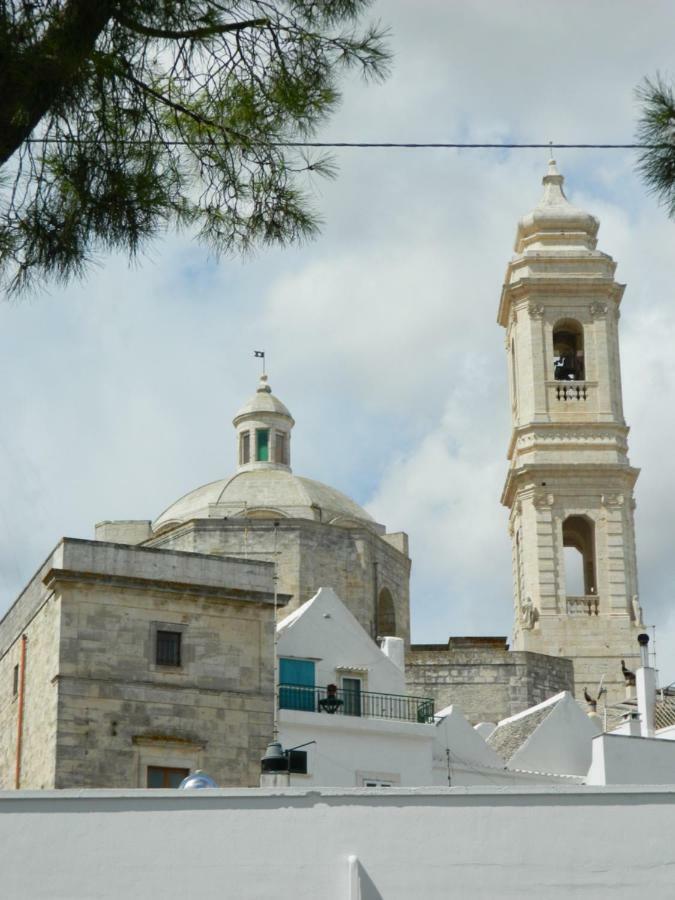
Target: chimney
645,683
394,648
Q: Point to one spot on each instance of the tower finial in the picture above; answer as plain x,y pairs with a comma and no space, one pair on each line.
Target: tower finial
263,386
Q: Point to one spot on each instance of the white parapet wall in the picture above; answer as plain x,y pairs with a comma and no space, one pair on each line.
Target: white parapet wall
386,844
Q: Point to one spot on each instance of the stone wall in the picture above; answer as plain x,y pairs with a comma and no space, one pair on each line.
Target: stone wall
481,676
98,710
355,562
35,614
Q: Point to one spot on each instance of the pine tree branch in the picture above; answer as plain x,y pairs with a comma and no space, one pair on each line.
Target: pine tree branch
189,33
32,80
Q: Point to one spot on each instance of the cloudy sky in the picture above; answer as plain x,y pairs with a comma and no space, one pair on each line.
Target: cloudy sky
118,393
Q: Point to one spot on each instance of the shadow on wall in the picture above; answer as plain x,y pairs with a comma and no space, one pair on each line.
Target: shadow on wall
361,884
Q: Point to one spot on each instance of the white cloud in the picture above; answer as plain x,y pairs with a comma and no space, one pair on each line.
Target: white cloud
117,395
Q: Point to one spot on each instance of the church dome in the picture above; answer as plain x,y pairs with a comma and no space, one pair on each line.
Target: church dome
556,221
265,493
264,485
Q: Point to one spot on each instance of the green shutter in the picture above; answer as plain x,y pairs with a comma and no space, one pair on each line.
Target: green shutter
262,445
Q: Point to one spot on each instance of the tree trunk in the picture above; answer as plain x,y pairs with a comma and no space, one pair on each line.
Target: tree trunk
32,79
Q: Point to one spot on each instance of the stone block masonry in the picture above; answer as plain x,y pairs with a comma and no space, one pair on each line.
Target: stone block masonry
481,676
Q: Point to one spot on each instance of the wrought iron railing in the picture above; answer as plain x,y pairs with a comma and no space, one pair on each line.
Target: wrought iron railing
342,702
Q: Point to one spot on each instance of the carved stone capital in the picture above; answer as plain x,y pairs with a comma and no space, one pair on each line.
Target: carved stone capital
536,310
612,499
543,501
597,310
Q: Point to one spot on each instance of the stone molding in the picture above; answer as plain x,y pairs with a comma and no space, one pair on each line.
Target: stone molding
598,310
56,576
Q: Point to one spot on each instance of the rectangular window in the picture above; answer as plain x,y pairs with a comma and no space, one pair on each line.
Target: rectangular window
15,680
262,445
296,684
280,448
351,690
245,448
165,776
297,762
168,648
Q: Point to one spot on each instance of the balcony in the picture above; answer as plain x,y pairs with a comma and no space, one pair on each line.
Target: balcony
573,393
583,606
340,702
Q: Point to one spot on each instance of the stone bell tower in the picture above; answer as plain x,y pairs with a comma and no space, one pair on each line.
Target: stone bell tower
569,487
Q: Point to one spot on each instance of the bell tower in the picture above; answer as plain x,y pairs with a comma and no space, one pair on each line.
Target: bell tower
569,487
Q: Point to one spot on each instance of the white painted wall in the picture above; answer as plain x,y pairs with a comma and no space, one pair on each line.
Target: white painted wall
323,629
256,845
561,743
625,759
349,748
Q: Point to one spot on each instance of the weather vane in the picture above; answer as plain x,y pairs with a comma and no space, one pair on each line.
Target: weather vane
260,354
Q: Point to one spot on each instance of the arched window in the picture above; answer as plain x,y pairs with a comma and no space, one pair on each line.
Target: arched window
386,617
579,544
244,448
568,351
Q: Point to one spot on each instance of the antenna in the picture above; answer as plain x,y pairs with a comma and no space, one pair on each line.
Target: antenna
275,580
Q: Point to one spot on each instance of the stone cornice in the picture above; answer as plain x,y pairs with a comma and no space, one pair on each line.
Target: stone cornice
56,577
542,288
569,434
576,474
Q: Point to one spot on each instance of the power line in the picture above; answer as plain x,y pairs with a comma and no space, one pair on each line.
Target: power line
385,145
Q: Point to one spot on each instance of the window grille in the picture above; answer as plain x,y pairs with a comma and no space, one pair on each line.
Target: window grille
168,648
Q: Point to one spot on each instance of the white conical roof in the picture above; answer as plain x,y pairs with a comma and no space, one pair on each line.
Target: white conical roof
554,219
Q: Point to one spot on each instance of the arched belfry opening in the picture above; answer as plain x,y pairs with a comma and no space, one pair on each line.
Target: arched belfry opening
568,351
386,616
579,547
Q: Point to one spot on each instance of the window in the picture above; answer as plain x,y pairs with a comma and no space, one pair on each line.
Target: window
167,648
296,684
568,351
262,445
579,554
15,680
378,779
351,692
165,776
281,448
297,762
244,448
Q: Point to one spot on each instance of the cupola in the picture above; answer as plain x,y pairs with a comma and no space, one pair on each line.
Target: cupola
555,222
263,427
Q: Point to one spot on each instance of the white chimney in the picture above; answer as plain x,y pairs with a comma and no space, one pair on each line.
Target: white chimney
394,648
645,684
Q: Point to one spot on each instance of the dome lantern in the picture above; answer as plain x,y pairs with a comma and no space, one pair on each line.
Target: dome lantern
555,222
263,428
